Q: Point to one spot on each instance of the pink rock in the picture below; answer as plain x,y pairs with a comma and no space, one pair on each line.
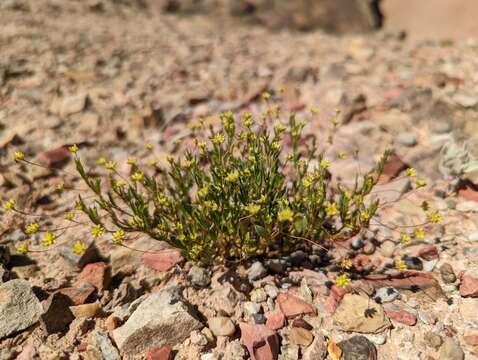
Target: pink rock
261,342
426,251
468,285
471,339
469,192
402,316
80,294
392,168
409,280
160,353
163,260
361,261
275,320
96,274
55,157
335,296
292,306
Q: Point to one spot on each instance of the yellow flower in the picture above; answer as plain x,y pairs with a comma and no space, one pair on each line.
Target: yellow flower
364,216
218,139
60,185
119,183
419,234
324,164
411,172
110,165
186,164
253,209
49,239
265,96
118,237
79,248
280,128
342,280
276,145
152,162
23,248
177,142
149,147
137,176
233,177
434,217
346,263
314,111
69,216
131,161
203,192
285,215
248,123
405,239
420,183
342,155
307,182
32,228
97,231
10,204
400,265
101,161
73,148
247,116
19,156
331,209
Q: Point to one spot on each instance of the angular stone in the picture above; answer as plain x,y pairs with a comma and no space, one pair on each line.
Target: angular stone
401,315
451,350
358,348
57,316
360,314
300,336
221,326
256,271
96,274
261,342
55,157
199,276
292,306
73,104
163,318
160,353
163,260
275,320
386,294
80,294
101,347
19,307
318,349
425,251
468,285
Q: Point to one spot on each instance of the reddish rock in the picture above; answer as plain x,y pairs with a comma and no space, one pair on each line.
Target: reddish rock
405,280
471,339
335,296
469,192
163,260
96,274
468,285
392,168
80,294
82,346
361,261
261,342
402,316
275,320
55,157
112,322
292,306
160,353
426,251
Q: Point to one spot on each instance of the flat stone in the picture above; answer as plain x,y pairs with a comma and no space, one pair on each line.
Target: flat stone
468,309
318,349
292,306
80,294
261,342
97,274
275,320
101,347
360,314
73,104
358,348
407,139
300,336
199,276
386,294
90,255
57,315
163,260
19,307
221,326
451,350
256,271
85,310
160,353
163,318
400,315
468,286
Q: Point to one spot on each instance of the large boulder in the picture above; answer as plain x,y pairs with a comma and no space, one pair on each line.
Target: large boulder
19,307
163,318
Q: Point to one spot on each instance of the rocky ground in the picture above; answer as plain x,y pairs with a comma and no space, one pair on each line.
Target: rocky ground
115,76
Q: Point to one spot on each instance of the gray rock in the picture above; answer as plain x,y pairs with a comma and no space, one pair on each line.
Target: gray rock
369,248
451,350
256,271
357,243
57,316
407,139
19,307
4,255
413,263
358,348
101,347
386,294
221,326
278,266
199,276
163,318
447,274
259,319
198,338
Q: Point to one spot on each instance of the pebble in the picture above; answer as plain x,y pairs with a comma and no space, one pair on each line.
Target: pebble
278,266
209,356
300,336
429,265
259,319
451,350
271,291
386,294
413,263
407,139
292,306
447,274
387,248
297,258
369,248
433,340
256,271
377,339
221,326
234,351
251,308
258,295
85,310
358,348
357,243
198,338
199,276
473,236
468,285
